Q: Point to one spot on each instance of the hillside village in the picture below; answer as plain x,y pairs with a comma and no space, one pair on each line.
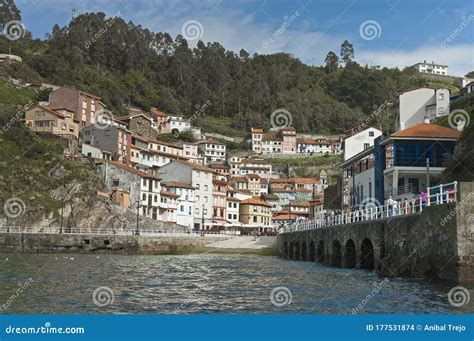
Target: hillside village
203,186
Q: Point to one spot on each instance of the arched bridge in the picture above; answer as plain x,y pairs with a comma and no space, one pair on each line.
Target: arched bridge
437,242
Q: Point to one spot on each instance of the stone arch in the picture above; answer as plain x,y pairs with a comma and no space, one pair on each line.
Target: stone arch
320,252
350,254
304,251
312,251
285,250
296,255
367,254
336,254
291,251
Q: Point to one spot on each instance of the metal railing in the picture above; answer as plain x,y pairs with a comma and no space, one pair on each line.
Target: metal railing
437,195
107,232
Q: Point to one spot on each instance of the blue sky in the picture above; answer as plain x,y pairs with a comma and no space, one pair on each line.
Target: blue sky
404,31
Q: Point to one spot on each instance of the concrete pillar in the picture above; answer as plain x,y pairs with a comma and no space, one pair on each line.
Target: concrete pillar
465,232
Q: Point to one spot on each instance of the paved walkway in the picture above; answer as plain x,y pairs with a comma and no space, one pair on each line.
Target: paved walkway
245,242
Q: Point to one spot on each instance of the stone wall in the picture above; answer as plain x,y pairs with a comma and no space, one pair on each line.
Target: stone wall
437,243
30,242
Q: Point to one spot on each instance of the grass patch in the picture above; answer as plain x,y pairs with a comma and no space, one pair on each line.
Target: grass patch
317,160
219,125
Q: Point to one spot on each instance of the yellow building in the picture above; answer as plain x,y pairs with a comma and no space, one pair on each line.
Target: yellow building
59,122
255,214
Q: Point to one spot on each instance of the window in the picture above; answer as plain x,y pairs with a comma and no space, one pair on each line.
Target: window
206,187
144,182
198,186
254,219
371,133
115,183
441,97
181,208
366,146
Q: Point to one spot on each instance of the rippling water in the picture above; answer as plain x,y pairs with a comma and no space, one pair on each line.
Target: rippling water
203,283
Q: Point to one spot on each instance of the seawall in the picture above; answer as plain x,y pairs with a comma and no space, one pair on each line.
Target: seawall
34,242
437,243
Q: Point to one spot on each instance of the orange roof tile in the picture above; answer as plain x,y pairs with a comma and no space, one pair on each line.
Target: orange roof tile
254,201
428,130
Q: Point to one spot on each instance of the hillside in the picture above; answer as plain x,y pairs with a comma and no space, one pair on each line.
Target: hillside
126,63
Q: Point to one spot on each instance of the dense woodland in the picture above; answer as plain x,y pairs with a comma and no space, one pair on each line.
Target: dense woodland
125,63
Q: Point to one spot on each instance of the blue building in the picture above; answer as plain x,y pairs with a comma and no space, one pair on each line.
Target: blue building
410,155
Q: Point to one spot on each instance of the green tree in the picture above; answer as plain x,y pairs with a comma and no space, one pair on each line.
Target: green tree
347,52
332,62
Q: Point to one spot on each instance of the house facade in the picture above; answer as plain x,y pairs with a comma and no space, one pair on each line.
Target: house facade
185,201
60,122
114,139
86,107
200,177
421,104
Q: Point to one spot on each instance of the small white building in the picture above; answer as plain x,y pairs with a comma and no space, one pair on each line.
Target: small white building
420,105
212,151
178,123
431,68
360,141
232,208
185,201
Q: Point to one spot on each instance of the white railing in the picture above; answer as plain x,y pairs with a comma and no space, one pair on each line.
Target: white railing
107,232
437,195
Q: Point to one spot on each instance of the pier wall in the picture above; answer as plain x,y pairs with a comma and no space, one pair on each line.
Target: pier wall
437,243
34,242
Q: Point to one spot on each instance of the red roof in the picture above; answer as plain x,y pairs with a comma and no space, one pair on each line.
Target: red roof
157,112
254,201
428,130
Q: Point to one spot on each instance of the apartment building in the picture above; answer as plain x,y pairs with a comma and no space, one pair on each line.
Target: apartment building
86,107
212,151
200,177
256,215
114,139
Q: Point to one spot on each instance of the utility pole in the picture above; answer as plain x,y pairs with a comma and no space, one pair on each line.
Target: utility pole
427,172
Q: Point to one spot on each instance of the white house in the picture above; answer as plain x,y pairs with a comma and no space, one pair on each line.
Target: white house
185,201
200,177
232,208
212,151
421,104
431,68
359,178
360,141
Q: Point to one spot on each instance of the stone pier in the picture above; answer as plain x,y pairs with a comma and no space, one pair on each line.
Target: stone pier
437,243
